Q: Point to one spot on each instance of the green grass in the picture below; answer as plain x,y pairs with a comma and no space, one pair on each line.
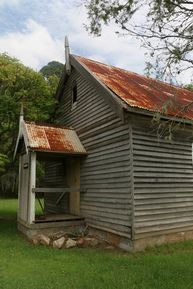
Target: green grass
8,208
23,266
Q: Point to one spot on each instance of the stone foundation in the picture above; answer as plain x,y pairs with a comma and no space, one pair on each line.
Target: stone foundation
116,239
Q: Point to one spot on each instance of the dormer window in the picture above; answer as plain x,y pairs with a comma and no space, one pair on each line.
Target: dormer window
74,94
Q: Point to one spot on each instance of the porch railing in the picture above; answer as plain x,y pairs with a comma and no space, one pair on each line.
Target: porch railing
63,191
55,190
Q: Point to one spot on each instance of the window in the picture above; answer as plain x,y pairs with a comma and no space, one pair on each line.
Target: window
74,95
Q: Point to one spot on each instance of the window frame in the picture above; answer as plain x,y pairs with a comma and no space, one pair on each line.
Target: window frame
74,95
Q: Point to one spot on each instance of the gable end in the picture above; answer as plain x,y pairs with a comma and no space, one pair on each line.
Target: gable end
116,104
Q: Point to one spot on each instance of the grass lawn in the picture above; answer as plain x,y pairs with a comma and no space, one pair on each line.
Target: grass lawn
8,208
23,266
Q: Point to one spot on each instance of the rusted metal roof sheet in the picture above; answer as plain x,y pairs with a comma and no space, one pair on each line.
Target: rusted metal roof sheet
43,137
142,92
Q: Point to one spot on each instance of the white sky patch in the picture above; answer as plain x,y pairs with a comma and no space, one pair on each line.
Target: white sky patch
34,46
124,52
111,50
9,2
40,39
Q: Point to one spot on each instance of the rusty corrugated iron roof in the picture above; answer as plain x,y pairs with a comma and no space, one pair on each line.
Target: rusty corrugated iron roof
48,138
142,92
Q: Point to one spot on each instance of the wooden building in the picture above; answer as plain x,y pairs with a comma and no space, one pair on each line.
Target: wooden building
122,180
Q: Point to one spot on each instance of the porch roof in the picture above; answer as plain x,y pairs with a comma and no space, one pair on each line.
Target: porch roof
49,138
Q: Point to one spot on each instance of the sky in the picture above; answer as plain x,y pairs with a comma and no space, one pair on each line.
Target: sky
33,31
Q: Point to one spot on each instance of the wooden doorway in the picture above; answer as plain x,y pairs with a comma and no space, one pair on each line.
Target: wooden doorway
73,179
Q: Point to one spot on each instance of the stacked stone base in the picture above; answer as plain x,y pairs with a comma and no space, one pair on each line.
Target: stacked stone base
116,240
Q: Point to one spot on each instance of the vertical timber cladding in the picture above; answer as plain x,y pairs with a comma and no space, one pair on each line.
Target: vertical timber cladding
105,172
163,184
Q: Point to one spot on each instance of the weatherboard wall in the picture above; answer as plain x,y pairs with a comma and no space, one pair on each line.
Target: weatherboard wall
163,182
105,172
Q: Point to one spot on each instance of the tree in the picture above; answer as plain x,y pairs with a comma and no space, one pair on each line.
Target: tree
51,69
52,72
3,162
166,28
20,84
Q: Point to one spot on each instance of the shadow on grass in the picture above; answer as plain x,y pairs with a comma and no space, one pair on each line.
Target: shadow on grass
8,209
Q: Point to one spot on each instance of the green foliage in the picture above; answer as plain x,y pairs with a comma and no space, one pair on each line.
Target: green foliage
52,72
164,27
3,162
53,81
51,69
40,173
189,87
9,181
20,84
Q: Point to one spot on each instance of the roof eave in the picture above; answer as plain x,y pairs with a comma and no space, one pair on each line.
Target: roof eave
21,134
149,113
57,152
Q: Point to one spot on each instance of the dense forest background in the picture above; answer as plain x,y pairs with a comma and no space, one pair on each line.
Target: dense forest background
21,85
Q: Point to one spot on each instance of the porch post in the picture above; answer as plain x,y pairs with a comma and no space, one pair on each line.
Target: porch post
19,190
75,182
32,184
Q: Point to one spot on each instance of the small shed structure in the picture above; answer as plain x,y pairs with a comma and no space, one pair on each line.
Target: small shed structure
131,186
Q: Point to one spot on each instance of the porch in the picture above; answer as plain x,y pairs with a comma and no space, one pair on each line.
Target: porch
59,199
47,216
